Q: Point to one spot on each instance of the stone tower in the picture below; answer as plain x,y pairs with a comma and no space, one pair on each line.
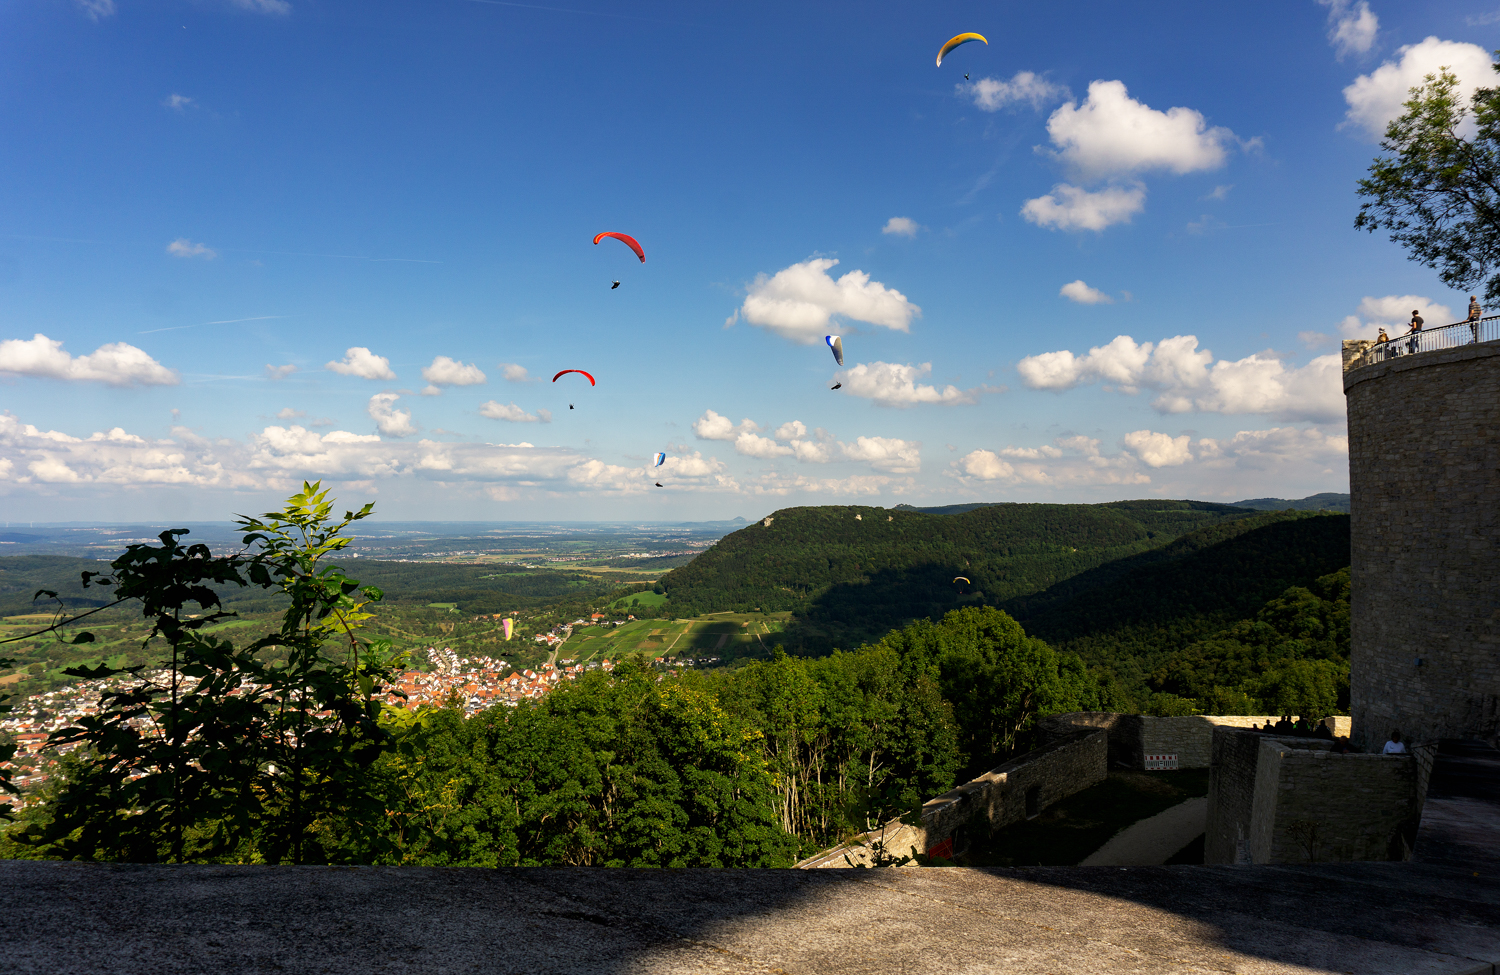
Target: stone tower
1424,480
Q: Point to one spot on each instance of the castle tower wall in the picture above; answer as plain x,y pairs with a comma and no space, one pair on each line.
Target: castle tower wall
1424,481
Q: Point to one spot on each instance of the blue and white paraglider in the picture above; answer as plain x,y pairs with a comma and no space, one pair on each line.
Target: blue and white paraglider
658,459
837,345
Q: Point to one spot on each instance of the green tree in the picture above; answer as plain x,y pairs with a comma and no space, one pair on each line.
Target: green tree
998,679
228,752
1438,192
612,770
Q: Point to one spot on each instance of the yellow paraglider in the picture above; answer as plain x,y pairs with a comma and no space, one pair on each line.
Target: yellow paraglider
961,579
960,39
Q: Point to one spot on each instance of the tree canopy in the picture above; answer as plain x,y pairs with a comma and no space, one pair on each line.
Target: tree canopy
1438,192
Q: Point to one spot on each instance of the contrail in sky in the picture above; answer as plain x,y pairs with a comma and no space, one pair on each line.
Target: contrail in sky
227,321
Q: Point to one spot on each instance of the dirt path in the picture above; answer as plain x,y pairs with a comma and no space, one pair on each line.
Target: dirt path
1153,841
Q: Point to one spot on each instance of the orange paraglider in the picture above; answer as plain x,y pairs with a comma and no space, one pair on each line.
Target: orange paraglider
580,372
628,241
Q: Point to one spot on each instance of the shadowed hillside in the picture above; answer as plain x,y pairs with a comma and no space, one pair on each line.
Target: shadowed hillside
851,573
1131,614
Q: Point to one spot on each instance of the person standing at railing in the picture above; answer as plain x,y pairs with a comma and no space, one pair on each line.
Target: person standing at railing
1416,324
1475,314
1383,348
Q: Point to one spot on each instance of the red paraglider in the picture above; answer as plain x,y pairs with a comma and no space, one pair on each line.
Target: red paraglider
628,240
579,371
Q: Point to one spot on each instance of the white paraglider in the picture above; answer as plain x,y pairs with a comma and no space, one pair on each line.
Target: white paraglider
837,345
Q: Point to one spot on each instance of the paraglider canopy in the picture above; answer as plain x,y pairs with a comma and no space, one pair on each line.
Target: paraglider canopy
628,240
837,345
580,372
658,459
962,579
955,42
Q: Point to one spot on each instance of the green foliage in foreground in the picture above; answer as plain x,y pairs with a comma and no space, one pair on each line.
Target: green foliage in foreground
236,751
615,770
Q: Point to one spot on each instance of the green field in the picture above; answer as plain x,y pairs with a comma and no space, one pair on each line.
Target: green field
647,599
442,605
728,636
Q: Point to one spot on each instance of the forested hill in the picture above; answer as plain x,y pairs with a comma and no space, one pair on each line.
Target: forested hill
852,573
1133,615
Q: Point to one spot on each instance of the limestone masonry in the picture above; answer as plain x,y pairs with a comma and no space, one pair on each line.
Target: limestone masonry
1424,483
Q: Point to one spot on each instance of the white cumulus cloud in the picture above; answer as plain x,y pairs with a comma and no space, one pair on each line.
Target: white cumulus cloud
391,421
510,411
712,426
279,372
1070,207
450,372
115,364
1352,26
360,361
1159,449
1112,134
885,453
178,103
1069,461
182,247
1392,312
1377,98
858,485
993,94
895,384
1278,461
901,227
1187,379
985,465
754,445
1083,294
791,430
798,302
514,373
279,458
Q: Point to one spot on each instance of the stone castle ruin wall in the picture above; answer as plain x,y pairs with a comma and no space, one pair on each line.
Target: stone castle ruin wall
1132,737
1021,788
1294,800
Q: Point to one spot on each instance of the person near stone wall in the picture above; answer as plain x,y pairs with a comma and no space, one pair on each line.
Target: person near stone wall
1416,324
1394,746
1475,314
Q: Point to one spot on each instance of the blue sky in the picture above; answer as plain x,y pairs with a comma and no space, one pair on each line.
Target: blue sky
247,230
